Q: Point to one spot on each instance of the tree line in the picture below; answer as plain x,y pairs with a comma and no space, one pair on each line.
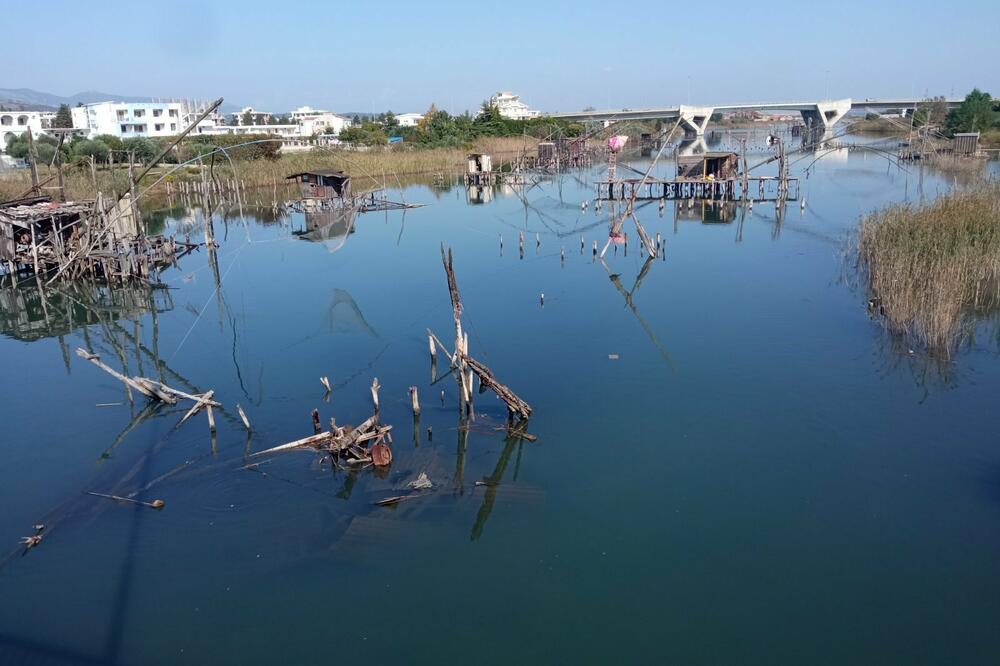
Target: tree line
440,129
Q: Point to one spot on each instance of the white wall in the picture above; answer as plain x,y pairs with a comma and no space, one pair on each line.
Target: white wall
16,123
131,119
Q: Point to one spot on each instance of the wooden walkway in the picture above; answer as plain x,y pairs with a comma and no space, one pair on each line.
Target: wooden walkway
759,188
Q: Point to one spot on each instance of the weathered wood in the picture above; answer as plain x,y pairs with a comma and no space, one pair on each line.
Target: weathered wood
198,405
414,401
128,381
486,379
243,417
375,387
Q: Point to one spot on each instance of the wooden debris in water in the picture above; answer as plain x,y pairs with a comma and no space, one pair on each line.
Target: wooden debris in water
465,366
155,504
243,417
415,401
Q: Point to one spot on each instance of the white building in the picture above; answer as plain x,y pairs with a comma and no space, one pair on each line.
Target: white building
512,107
16,123
253,115
409,119
316,121
129,119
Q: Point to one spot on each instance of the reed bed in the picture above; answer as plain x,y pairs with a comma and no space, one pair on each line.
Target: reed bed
376,165
934,270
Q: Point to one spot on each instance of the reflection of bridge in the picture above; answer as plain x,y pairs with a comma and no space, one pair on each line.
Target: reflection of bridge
695,118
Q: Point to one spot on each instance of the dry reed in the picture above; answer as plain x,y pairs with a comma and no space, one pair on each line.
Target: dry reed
934,270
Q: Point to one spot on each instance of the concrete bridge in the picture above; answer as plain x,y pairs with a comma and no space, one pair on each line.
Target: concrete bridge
695,118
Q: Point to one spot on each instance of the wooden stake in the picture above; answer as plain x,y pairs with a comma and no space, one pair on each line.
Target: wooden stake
415,402
243,417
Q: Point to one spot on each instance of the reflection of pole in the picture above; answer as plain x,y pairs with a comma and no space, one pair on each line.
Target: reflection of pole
492,483
630,302
463,444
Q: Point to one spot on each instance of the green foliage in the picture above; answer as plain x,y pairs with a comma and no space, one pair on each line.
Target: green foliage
44,152
63,117
976,114
111,141
365,134
268,149
91,148
17,147
932,111
142,148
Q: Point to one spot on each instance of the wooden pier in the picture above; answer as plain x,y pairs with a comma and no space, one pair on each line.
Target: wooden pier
758,188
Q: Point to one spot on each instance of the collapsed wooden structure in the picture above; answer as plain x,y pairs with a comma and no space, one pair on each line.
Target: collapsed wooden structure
75,239
466,367
564,153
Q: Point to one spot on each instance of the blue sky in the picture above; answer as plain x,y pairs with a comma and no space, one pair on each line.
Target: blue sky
363,56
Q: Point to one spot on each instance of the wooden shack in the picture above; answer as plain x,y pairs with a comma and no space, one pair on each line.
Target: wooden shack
479,163
38,228
712,165
965,144
323,184
546,153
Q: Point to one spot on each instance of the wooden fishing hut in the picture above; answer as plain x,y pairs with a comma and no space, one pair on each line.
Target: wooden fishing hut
711,175
36,230
323,184
479,169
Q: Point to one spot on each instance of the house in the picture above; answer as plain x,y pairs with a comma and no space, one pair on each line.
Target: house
323,184
409,119
16,123
512,107
317,121
712,165
129,119
251,114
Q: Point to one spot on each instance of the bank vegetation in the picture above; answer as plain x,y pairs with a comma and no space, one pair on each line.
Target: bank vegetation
933,270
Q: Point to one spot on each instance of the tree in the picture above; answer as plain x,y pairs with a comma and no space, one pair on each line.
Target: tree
91,148
933,111
975,114
111,141
389,121
144,149
63,117
247,119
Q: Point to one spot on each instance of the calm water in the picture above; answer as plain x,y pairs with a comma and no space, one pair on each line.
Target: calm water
761,475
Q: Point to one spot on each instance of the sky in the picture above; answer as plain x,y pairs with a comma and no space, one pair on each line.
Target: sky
403,56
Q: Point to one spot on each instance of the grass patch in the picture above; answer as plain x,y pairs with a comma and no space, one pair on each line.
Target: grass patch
934,270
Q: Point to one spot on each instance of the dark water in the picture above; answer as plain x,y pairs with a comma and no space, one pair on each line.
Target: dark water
761,475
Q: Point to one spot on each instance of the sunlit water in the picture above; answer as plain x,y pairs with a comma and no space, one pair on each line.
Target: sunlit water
734,463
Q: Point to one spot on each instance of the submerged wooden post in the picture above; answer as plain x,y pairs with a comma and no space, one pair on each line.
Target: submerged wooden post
415,402
375,388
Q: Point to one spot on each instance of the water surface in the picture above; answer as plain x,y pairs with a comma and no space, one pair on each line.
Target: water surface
734,463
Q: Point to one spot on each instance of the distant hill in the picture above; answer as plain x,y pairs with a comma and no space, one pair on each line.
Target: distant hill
28,99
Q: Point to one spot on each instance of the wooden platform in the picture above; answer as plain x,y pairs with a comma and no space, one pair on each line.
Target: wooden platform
759,188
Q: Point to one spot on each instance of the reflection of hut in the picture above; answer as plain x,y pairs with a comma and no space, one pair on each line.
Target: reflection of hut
479,194
706,212
323,184
329,227
717,165
966,143
28,313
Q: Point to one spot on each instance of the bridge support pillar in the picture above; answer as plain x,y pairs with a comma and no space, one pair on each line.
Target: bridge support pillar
695,118
826,114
